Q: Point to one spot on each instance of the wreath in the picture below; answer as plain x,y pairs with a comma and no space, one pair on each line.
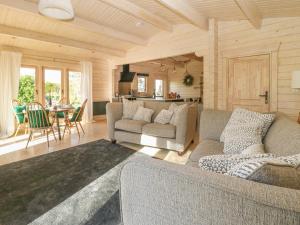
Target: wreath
188,80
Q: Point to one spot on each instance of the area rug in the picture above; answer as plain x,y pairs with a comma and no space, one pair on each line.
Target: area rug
78,185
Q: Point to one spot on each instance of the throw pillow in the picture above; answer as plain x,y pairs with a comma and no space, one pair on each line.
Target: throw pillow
130,108
223,163
244,116
176,109
143,114
254,149
164,117
281,171
239,137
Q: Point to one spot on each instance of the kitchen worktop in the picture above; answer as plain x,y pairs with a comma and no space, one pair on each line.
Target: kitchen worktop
162,99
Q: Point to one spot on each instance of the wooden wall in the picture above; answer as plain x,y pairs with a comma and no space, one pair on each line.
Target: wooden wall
153,71
232,36
283,34
195,68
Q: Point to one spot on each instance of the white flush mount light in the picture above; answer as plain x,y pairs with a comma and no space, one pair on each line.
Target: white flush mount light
57,9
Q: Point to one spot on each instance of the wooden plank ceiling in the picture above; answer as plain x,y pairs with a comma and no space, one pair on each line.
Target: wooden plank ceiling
108,28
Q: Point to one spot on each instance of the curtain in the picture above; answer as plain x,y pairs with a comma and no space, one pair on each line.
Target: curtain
10,65
86,89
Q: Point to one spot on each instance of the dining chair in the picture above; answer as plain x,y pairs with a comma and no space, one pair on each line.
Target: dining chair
38,120
20,115
76,119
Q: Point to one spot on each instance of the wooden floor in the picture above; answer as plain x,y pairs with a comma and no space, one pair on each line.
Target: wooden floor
13,149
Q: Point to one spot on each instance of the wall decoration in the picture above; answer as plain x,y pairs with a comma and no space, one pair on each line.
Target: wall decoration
188,80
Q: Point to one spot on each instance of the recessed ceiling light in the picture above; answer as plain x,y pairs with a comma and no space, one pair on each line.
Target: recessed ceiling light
139,24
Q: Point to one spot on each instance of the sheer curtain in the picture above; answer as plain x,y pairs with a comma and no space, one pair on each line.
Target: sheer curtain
10,65
86,89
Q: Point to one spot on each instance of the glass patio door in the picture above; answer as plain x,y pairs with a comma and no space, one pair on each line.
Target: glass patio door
52,86
27,85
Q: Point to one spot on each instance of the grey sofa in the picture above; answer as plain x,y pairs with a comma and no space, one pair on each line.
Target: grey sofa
167,136
155,192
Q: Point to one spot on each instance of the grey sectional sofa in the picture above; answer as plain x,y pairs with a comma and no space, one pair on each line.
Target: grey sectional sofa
155,192
166,136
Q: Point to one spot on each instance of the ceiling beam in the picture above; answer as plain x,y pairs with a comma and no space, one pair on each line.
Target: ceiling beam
140,13
186,11
77,22
26,34
251,11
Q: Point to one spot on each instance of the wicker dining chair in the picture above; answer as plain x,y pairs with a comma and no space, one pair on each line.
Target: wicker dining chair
76,119
20,115
38,119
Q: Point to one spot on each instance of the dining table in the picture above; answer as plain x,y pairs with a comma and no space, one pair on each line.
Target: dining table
56,111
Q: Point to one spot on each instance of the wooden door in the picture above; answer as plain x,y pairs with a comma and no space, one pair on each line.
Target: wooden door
249,83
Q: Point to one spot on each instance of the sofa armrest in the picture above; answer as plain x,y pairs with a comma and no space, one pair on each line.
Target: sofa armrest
114,112
186,127
155,192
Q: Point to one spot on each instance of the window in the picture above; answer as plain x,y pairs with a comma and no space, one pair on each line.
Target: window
74,88
27,84
141,84
52,86
159,88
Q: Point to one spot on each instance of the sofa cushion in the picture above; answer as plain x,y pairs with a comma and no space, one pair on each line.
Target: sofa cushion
164,117
283,137
134,126
143,114
212,124
243,117
130,108
160,130
239,137
205,148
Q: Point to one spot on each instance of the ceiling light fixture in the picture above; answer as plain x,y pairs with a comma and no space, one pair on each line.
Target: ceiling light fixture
57,9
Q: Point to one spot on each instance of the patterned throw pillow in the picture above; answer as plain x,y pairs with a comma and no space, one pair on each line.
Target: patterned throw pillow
244,116
223,163
239,137
130,108
143,114
164,117
176,109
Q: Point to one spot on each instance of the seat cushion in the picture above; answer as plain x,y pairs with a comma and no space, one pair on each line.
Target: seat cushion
206,148
160,130
283,137
134,126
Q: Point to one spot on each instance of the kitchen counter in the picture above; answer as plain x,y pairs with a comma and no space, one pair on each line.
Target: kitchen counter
161,99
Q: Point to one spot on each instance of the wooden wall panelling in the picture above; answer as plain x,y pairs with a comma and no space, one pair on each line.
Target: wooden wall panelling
195,68
239,36
213,63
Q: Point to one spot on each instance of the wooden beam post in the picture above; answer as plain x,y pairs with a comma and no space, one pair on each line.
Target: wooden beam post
186,11
21,33
213,64
251,11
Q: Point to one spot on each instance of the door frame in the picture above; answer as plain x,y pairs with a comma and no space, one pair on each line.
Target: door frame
271,50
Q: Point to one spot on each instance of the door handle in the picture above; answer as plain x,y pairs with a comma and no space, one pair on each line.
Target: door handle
266,96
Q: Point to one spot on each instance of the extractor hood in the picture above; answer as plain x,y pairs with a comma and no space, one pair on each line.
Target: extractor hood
126,75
